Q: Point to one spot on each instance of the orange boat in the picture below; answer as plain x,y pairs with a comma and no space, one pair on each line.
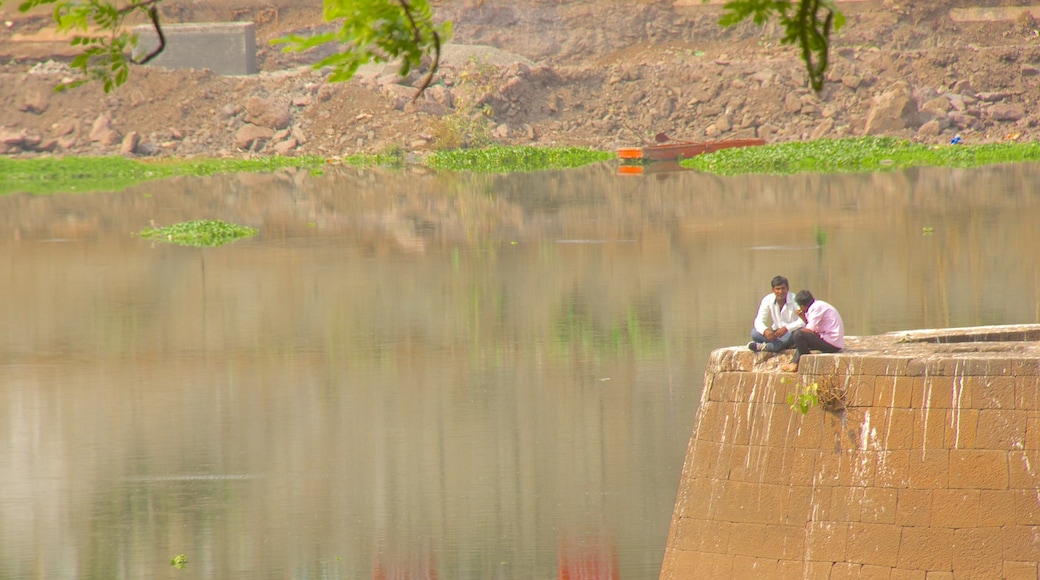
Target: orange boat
683,149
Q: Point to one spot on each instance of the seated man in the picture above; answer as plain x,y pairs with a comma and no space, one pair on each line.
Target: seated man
824,330
776,321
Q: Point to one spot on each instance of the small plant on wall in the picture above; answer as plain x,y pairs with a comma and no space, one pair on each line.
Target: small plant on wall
824,392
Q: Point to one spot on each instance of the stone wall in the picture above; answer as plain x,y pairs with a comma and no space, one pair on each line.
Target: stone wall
926,465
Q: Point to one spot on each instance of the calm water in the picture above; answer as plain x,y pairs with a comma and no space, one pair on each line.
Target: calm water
413,375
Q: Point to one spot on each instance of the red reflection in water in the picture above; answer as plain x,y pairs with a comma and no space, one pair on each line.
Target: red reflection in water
590,559
424,568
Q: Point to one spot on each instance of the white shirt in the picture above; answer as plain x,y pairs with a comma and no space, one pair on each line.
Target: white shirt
771,315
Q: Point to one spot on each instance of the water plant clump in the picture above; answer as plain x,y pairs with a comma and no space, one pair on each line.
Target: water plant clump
863,154
515,159
201,233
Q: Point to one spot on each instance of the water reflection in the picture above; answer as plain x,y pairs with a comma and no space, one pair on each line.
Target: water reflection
419,375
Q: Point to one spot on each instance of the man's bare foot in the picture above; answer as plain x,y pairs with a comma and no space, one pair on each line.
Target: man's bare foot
789,368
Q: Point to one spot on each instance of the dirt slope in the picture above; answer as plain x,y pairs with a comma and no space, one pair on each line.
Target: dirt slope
543,72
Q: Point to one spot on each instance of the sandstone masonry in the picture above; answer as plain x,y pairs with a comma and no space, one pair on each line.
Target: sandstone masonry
927,464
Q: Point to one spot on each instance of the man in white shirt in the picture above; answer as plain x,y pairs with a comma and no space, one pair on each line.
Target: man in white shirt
777,319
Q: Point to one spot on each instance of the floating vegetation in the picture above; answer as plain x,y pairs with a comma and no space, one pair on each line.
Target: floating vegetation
203,233
865,154
47,175
515,159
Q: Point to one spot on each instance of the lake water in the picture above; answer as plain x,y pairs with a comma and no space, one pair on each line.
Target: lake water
419,375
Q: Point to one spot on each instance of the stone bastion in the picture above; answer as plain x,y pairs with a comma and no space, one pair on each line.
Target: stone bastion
921,459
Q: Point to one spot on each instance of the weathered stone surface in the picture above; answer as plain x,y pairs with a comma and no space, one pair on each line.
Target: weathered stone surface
130,142
103,132
268,113
925,469
249,137
1007,111
893,110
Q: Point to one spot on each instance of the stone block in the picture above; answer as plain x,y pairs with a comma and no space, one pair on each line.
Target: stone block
1027,509
961,428
978,469
1022,469
845,571
900,574
956,508
807,430
748,538
929,428
847,505
1027,392
893,391
226,48
868,572
1032,433
799,504
928,549
997,507
790,570
827,541
933,393
749,567
783,542
1019,571
893,469
899,430
929,469
818,570
1001,429
879,505
860,392
875,366
1025,367
977,553
914,507
990,392
876,544
1021,543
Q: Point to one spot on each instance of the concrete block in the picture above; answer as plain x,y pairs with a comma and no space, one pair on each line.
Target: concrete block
226,48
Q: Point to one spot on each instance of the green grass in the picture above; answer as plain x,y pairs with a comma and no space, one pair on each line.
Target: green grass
865,154
202,233
515,159
47,175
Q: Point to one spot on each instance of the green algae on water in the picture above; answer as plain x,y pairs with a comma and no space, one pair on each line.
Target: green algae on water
858,155
200,233
520,159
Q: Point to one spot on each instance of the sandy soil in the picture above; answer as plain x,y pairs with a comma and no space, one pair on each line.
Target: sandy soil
541,72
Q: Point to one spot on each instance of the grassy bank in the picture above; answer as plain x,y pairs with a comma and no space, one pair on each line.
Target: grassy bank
46,175
860,155
866,154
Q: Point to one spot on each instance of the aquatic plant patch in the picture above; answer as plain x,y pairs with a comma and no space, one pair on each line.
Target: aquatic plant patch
49,175
864,154
202,233
515,159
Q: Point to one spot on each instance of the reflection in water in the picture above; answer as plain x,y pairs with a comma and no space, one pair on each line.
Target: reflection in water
419,375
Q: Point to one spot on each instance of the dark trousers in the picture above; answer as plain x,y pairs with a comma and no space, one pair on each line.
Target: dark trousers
807,341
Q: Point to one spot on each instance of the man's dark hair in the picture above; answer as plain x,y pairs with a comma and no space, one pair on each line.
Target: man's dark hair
804,298
779,281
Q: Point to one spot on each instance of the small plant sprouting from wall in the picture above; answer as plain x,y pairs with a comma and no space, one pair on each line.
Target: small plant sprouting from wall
825,392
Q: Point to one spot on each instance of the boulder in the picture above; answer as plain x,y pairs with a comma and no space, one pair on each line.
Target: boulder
268,113
103,132
893,110
252,137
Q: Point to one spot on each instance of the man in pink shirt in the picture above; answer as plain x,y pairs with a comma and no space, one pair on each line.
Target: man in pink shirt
824,331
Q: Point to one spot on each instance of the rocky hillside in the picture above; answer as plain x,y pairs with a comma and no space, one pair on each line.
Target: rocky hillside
545,72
